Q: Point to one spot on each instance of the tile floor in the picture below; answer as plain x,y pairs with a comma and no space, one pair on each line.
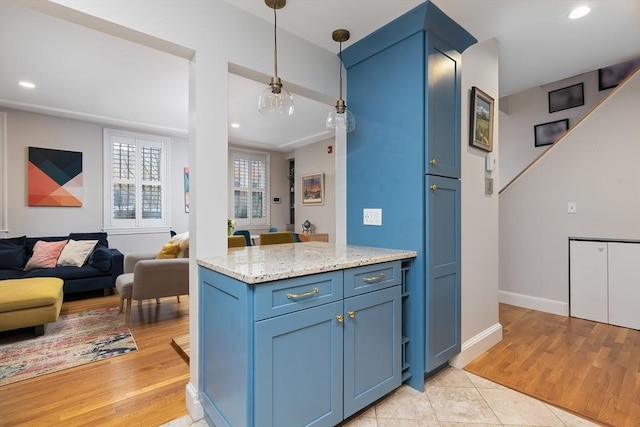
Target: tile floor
453,397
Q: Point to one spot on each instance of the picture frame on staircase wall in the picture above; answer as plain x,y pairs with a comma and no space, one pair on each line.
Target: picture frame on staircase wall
548,133
567,97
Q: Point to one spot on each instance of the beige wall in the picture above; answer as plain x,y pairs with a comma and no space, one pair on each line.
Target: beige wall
311,159
597,166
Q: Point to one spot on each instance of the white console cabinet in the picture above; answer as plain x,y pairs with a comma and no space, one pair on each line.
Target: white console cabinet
605,281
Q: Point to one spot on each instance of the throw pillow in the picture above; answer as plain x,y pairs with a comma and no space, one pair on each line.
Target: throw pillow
45,254
76,252
169,250
101,237
183,240
100,258
12,252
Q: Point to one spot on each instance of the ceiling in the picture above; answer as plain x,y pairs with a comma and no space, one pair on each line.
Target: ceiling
85,74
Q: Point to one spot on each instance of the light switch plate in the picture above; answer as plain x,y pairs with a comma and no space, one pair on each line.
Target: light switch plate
372,216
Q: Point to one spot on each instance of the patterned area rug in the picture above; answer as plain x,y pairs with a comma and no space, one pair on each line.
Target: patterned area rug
75,339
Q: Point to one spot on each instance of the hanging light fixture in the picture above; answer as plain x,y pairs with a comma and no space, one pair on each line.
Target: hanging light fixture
275,99
341,117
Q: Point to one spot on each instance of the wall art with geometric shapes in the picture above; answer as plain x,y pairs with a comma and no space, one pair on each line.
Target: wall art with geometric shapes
55,177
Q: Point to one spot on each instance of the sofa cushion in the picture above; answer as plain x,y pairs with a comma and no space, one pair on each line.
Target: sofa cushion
100,258
45,254
13,252
67,272
76,252
100,237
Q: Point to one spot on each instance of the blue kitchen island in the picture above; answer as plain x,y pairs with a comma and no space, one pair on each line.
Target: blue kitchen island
300,334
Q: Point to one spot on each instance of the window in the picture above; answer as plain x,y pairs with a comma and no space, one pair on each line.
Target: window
249,187
136,190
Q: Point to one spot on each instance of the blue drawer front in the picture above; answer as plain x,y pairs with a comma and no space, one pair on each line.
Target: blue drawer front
369,278
287,296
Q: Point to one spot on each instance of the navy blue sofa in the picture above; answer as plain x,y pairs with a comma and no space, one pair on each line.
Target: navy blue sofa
99,272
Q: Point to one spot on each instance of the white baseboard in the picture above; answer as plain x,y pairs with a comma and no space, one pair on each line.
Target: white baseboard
534,303
193,403
477,345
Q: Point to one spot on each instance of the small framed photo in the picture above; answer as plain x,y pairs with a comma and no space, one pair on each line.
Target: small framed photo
609,77
313,189
481,120
568,97
548,133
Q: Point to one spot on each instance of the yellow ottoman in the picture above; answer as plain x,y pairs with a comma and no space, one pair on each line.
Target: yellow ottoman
30,302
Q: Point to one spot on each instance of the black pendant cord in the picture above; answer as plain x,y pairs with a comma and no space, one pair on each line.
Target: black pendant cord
275,43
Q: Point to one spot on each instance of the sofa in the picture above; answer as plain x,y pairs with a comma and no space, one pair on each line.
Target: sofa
99,269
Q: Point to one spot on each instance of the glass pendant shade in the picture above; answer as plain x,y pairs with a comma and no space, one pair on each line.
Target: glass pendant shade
336,120
341,118
275,99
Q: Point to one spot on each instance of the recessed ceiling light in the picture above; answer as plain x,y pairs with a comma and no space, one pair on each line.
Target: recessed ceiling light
26,84
579,12
235,125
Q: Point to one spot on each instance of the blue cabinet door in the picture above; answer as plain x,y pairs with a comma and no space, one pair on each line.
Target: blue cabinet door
372,347
298,368
443,270
442,124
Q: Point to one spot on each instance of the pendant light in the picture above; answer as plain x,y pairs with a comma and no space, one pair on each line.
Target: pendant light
275,99
341,117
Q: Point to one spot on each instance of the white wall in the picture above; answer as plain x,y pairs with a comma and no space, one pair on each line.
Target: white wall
218,33
597,165
479,252
26,129
522,111
311,159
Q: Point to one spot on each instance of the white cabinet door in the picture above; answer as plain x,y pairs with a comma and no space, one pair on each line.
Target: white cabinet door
588,280
624,284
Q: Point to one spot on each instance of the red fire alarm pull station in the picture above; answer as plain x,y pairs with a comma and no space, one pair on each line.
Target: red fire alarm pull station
330,149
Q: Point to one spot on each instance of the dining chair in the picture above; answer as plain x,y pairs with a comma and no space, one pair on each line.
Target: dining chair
236,242
246,234
277,237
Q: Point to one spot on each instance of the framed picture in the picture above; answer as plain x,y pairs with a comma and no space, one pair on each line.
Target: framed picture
567,97
313,189
611,76
186,190
481,131
54,177
548,133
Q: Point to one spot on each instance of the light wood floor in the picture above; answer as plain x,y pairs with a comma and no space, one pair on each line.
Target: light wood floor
143,388
589,368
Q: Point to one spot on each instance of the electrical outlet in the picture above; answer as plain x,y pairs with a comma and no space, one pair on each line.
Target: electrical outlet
372,216
488,186
572,207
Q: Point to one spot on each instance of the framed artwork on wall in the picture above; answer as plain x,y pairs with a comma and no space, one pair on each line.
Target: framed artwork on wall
313,189
548,133
481,120
610,77
567,97
54,177
186,190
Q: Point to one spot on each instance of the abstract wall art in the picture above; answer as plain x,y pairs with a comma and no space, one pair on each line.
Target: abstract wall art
54,177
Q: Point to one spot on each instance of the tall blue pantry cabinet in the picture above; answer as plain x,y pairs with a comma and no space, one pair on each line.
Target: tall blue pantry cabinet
403,85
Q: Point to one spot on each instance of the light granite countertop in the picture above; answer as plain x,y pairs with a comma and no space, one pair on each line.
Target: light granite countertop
259,264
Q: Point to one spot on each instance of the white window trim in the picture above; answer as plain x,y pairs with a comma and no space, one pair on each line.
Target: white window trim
230,192
137,227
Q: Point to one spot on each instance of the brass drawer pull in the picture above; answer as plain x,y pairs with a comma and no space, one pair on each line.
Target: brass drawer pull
352,314
304,294
433,187
433,161
374,278
339,318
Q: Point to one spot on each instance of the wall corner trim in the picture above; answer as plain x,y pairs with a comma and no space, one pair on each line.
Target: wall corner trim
477,345
194,407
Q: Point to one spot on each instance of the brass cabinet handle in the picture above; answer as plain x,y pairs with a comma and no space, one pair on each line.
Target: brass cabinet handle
374,278
304,294
352,314
433,187
339,318
433,161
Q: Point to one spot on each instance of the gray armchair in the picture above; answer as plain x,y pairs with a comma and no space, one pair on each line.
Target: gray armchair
147,278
